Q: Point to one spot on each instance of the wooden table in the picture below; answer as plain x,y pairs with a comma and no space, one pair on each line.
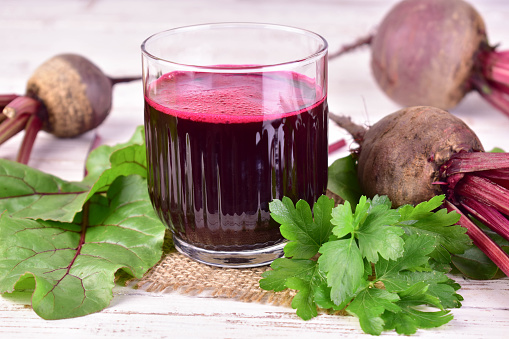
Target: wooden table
110,34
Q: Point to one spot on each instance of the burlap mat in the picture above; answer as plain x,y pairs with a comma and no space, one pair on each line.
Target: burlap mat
176,272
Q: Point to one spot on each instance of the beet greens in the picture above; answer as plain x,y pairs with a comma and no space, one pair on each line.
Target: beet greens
66,242
66,96
419,152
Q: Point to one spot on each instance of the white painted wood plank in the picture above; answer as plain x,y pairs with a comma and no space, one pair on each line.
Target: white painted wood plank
134,313
110,33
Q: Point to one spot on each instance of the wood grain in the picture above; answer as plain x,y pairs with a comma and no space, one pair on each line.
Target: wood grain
110,34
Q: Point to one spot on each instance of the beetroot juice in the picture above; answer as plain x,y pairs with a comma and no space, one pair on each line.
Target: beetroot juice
221,146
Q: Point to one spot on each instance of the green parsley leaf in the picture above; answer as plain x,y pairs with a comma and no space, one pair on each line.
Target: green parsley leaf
371,224
376,234
343,220
342,260
415,255
297,225
400,274
449,237
299,274
369,305
283,269
411,317
445,291
369,264
303,300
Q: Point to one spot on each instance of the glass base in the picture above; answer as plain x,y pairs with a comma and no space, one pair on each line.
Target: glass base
240,259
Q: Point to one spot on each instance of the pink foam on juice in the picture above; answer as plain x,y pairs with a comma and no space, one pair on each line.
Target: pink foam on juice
233,98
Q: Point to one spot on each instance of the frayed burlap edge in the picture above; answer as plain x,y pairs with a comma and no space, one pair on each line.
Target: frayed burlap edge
176,272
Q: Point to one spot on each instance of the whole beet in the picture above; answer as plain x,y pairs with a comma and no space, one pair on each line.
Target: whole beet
400,155
66,96
423,52
419,152
433,52
76,94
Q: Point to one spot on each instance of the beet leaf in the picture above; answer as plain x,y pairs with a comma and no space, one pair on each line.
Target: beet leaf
68,239
427,218
342,179
29,193
74,264
100,160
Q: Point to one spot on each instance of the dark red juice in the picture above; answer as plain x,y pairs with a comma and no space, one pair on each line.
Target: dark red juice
220,147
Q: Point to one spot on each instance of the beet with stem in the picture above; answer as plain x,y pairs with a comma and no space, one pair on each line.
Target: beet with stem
419,152
66,96
434,52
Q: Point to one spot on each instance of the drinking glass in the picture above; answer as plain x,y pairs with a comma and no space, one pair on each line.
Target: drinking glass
235,116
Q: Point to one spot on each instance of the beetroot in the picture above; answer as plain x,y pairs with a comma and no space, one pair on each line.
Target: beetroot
419,152
433,52
66,96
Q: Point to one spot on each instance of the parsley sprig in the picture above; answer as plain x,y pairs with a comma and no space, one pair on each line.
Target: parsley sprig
385,266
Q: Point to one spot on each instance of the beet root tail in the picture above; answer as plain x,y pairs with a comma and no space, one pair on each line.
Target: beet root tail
482,241
356,131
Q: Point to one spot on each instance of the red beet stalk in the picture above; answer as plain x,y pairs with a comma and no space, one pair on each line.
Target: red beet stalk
477,186
21,113
482,241
492,77
336,146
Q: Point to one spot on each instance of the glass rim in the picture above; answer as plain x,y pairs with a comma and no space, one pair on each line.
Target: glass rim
319,53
